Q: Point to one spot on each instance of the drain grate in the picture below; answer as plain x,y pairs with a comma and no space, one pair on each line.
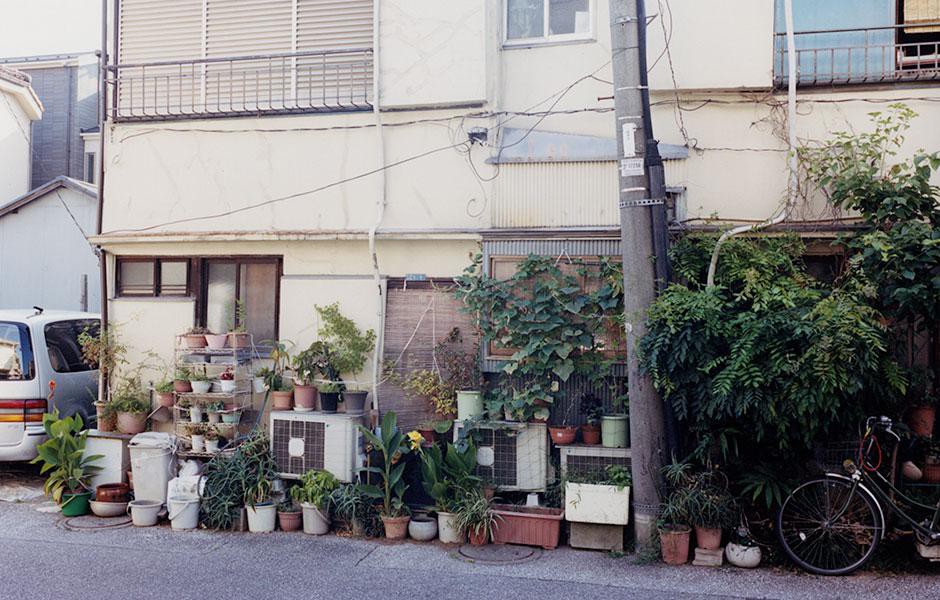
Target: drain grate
498,554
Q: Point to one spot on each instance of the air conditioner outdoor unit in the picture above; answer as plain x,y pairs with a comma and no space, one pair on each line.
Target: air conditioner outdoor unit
513,456
591,459
315,440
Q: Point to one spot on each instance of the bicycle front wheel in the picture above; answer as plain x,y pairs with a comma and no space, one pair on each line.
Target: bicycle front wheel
829,526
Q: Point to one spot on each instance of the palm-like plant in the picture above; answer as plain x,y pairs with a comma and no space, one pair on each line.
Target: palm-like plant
393,446
63,456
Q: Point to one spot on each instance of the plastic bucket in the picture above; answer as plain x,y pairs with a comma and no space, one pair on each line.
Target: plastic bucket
261,518
144,513
615,431
184,512
469,405
316,522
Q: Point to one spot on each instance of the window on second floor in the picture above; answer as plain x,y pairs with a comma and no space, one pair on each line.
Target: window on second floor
90,167
539,21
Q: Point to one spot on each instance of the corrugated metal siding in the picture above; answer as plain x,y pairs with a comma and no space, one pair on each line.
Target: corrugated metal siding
556,195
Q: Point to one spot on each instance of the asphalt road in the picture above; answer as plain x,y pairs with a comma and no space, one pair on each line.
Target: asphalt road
41,557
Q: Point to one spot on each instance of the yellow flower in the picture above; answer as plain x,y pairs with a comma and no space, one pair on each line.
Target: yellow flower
416,439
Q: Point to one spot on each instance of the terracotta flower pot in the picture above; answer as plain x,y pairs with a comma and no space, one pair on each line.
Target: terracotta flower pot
131,423
182,386
429,435
921,420
194,340
591,434
708,538
112,492
528,525
290,520
106,422
305,397
563,436
282,400
238,339
674,543
396,528
477,539
165,399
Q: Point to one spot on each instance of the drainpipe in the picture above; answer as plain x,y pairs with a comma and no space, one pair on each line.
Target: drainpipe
793,183
102,115
380,204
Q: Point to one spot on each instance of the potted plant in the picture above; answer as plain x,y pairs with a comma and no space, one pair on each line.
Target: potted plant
197,436
212,439
599,497
565,433
352,506
615,428
282,394
314,494
306,365
289,516
216,341
330,394
232,416
181,383
711,507
262,512
743,551
69,469
346,349
214,410
475,515
238,336
674,530
593,410
195,412
164,391
195,337
132,405
445,475
227,380
528,525
106,418
393,446
921,417
201,383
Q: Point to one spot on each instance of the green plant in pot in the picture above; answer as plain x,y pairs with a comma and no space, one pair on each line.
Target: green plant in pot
181,378
307,365
446,474
593,411
262,513
238,326
711,507
675,531
475,515
131,402
164,391
280,388
102,349
392,444
289,516
314,495
352,506
68,469
347,348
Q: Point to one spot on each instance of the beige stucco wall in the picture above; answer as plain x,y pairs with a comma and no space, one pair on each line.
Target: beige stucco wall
14,145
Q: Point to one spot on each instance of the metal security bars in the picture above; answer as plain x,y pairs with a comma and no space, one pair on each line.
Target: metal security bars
904,52
335,80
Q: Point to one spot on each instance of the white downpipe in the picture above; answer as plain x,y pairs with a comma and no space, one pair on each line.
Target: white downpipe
793,182
380,203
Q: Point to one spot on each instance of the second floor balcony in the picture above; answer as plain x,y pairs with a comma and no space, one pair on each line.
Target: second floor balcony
331,80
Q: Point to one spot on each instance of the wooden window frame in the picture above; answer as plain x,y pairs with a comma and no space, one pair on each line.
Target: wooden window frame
202,295
155,285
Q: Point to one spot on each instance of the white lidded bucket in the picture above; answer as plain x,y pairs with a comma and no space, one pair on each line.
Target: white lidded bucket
184,512
144,513
316,521
153,462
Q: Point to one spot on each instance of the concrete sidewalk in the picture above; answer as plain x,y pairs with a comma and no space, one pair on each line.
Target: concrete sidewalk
41,558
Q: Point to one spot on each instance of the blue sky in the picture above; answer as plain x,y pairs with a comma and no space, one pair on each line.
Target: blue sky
49,26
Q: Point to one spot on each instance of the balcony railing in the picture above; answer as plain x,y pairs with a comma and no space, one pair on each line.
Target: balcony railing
853,56
337,80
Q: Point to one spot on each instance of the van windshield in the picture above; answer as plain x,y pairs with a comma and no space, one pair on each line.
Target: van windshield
16,353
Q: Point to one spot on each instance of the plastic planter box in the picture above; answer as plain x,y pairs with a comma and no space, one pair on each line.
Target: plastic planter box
528,525
594,503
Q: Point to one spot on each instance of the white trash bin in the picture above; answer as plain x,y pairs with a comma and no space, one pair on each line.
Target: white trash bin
153,462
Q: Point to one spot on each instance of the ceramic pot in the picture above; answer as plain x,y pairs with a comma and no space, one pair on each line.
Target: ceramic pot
201,387
290,520
215,417
237,339
106,422
216,341
182,386
355,402
396,528
563,436
227,385
708,538
674,543
447,530
422,529
112,492
591,434
131,423
747,557
165,399
194,341
477,539
305,397
282,400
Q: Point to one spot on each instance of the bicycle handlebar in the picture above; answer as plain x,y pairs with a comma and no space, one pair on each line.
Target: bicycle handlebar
884,423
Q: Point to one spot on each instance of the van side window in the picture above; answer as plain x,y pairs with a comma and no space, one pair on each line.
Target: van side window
65,353
16,352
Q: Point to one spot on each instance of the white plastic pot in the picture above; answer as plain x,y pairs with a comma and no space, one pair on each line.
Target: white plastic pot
316,522
212,446
257,385
195,414
201,387
447,530
198,442
184,512
261,518
144,513
747,557
227,385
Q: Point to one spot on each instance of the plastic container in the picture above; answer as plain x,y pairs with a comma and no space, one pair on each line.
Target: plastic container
447,530
469,405
184,512
261,518
316,522
153,463
144,513
615,431
528,525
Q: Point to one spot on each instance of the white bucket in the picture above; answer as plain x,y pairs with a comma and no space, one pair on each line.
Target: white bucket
316,522
184,512
447,530
144,513
261,518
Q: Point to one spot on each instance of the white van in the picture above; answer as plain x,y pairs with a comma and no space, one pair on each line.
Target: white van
39,353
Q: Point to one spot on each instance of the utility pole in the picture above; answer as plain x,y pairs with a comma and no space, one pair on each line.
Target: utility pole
642,237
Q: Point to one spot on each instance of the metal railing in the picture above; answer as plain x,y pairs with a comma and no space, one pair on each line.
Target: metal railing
853,56
336,80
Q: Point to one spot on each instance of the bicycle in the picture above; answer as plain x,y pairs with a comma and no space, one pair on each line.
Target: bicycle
832,525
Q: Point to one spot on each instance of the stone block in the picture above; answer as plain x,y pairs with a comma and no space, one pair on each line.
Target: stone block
708,558
591,536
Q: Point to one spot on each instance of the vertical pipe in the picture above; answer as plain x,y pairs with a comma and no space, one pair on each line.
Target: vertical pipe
102,118
380,203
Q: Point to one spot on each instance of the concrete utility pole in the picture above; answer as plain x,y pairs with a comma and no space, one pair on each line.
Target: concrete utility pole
642,235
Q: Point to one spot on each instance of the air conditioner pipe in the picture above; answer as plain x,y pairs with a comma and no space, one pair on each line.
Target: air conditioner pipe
380,206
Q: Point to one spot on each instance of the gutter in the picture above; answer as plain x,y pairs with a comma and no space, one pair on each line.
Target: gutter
102,115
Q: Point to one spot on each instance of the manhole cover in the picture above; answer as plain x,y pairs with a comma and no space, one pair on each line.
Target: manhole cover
91,523
498,554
